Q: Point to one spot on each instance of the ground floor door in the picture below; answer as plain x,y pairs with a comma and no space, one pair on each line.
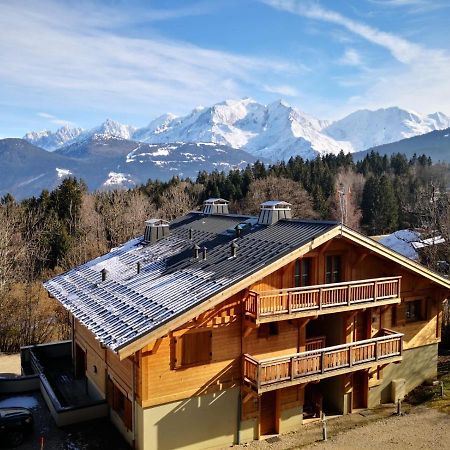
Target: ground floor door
359,391
80,362
268,413
313,402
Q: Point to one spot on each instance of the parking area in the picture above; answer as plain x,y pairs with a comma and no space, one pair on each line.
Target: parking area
97,434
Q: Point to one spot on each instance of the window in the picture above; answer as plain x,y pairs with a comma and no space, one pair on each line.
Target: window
413,311
192,348
303,269
333,269
266,330
119,402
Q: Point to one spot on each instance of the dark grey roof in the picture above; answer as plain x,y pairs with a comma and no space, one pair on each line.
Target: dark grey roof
128,305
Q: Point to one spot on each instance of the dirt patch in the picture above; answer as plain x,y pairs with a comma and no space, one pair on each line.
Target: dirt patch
10,364
423,428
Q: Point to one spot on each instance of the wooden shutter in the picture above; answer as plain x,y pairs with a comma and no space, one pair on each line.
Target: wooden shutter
128,414
192,348
109,391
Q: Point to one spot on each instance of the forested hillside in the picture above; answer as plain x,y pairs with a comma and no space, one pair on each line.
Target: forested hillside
60,229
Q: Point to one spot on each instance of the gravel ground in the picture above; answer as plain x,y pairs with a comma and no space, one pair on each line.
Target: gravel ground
423,428
419,428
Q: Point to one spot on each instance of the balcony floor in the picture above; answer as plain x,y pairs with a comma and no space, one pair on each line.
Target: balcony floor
320,376
327,310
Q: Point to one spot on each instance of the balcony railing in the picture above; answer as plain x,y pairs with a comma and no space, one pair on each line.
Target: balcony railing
271,373
283,302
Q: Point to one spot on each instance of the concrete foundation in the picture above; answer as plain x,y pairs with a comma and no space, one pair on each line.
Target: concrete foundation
207,421
418,365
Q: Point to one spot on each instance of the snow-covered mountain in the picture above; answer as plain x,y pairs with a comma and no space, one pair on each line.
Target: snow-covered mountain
51,141
366,129
273,132
68,135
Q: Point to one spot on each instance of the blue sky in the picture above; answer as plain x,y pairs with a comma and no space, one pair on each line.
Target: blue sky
79,62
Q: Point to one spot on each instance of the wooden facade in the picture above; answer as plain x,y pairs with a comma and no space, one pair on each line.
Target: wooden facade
282,344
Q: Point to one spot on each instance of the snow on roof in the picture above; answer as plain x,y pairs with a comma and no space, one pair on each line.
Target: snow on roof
401,241
427,242
129,304
274,203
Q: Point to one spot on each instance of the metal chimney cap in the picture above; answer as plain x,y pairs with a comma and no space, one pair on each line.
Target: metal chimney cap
157,223
276,204
234,245
216,201
197,247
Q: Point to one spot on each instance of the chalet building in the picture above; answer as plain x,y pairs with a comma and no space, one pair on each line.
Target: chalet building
219,328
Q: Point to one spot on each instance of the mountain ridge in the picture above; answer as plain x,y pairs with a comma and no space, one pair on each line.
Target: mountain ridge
274,131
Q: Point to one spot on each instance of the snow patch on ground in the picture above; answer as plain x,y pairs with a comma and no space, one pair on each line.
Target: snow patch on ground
117,178
23,401
63,172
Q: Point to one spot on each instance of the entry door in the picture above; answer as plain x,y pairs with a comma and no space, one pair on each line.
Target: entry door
268,413
359,391
80,362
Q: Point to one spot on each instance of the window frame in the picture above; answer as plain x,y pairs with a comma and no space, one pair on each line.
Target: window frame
417,306
180,345
333,257
300,273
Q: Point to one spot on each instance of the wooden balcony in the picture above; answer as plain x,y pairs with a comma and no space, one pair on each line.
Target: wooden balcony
293,303
275,373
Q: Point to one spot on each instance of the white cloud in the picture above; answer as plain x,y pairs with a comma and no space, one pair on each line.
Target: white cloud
75,51
419,82
403,50
413,6
55,120
284,90
350,58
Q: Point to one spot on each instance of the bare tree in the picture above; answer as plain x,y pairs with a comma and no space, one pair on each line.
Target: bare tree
274,188
349,187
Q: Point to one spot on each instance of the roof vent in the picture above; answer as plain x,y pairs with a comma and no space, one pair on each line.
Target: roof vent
234,248
272,211
155,229
196,250
215,206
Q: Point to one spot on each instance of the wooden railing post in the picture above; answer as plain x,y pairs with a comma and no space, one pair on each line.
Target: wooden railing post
350,357
376,351
375,285
322,362
289,302
320,298
349,300
292,368
399,288
258,376
258,304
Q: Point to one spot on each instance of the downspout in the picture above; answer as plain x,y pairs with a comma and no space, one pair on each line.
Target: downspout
239,411
133,396
73,343
239,418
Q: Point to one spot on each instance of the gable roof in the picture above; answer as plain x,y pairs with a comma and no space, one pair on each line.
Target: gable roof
129,305
130,309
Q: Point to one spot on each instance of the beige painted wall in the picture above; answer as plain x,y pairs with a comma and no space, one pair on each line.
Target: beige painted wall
418,365
206,421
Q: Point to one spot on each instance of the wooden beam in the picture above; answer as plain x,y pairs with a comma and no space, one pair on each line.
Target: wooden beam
156,346
248,330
